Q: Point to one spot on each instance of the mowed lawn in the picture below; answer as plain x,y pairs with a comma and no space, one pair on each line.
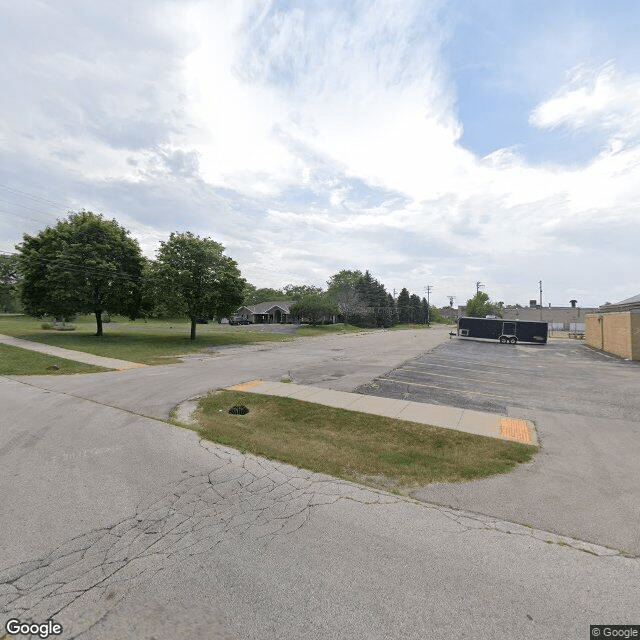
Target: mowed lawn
151,342
383,452
15,361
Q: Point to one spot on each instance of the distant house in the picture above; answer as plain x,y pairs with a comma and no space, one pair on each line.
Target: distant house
267,312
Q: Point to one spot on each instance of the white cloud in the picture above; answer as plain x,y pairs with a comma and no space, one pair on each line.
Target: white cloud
312,138
605,99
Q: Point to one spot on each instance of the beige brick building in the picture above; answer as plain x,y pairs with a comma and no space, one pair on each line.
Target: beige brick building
559,318
616,328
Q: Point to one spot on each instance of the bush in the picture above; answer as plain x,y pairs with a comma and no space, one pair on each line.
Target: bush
58,326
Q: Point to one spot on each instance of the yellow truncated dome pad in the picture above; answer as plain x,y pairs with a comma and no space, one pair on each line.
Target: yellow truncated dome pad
516,429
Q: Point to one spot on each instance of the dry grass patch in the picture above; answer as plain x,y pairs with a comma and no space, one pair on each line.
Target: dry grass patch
374,450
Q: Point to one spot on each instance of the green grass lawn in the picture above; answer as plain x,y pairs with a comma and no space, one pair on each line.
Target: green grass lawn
152,342
374,450
15,361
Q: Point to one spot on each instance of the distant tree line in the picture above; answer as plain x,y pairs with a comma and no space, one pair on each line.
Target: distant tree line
356,298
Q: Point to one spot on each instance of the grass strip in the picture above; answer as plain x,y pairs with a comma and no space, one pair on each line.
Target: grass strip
374,450
151,342
324,329
15,361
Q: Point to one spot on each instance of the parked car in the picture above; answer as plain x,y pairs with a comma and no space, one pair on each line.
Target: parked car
239,321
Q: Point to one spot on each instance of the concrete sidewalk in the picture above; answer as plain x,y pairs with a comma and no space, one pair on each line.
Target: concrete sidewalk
68,354
478,422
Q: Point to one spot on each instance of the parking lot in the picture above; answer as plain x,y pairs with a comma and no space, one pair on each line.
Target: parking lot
562,376
585,480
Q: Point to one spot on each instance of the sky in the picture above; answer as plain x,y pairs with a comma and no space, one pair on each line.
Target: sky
436,143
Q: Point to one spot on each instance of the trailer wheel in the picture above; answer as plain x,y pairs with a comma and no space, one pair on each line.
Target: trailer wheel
503,340
513,340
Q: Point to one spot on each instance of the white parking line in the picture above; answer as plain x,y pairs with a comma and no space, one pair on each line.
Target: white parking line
444,375
498,373
432,386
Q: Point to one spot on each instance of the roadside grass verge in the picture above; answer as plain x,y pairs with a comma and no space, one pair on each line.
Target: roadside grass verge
415,325
323,329
15,361
151,342
381,452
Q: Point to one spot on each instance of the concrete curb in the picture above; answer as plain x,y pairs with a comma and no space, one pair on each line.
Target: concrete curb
477,422
69,354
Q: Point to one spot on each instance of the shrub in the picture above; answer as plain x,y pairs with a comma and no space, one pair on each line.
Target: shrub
65,327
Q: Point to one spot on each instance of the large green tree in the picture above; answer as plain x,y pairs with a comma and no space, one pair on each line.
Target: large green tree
416,311
314,307
404,305
480,306
343,290
195,279
84,264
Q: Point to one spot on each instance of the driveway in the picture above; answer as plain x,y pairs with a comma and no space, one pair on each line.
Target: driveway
585,482
118,525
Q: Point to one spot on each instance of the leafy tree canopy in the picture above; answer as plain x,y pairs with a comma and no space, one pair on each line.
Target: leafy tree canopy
344,279
479,306
252,295
84,264
298,291
343,290
313,307
195,279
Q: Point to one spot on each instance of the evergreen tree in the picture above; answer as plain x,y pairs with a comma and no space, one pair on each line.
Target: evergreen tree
392,309
424,311
416,311
404,306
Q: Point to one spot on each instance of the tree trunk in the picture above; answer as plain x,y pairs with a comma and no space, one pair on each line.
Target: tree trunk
193,328
98,323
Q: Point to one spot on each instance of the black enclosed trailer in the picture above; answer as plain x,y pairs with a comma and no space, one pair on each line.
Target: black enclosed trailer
511,331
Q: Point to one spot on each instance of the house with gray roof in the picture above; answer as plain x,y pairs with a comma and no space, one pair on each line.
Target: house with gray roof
267,312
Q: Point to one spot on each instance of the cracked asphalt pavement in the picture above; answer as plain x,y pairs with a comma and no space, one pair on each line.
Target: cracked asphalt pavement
118,525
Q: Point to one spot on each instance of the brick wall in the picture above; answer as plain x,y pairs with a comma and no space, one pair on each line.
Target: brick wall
616,333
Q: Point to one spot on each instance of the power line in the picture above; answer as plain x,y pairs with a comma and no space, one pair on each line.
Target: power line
428,290
37,198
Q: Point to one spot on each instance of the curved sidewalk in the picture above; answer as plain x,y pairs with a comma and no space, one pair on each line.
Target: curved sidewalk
478,422
68,354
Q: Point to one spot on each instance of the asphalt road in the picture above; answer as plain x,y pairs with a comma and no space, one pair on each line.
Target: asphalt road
118,525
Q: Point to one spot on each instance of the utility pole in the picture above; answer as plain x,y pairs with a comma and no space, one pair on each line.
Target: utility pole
428,290
479,285
540,300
